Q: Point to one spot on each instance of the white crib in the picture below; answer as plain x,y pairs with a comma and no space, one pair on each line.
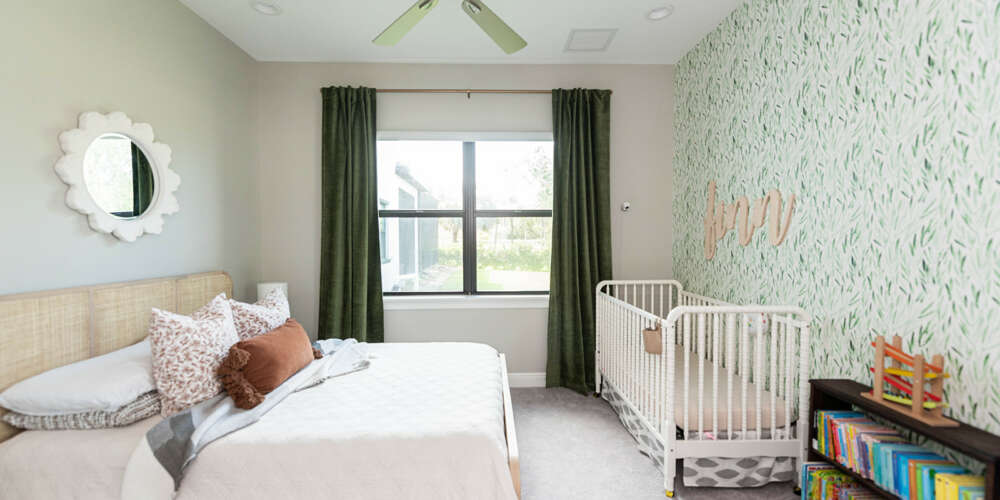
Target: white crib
678,395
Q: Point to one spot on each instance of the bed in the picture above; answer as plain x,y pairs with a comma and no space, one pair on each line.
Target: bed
720,387
423,421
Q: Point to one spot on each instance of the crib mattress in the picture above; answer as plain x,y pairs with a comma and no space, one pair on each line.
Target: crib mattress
721,410
708,410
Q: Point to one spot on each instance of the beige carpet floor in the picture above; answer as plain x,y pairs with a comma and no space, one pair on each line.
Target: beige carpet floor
573,447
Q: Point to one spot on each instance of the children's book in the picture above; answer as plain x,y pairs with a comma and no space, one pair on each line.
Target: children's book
901,472
867,450
832,483
971,492
868,445
947,486
823,481
860,430
808,469
926,484
837,432
845,437
823,428
852,432
851,491
914,475
883,461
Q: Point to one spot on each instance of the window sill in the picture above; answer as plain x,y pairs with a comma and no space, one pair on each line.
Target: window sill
415,303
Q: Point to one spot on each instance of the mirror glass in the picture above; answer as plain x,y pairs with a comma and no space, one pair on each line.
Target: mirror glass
118,176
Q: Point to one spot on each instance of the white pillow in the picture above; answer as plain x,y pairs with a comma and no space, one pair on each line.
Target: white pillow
257,319
104,383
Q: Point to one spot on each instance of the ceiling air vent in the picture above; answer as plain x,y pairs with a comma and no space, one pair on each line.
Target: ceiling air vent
590,40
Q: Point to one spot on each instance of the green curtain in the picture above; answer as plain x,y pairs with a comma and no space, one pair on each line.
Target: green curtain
581,232
142,182
350,291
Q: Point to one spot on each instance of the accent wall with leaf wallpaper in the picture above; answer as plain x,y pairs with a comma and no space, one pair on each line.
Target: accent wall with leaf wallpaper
883,119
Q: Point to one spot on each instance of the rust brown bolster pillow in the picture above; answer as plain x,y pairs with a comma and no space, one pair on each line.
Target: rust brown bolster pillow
259,365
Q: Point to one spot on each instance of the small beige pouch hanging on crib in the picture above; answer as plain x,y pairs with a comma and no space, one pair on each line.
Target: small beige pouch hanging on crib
652,340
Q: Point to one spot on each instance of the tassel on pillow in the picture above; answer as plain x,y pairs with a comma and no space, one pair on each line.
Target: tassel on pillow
257,366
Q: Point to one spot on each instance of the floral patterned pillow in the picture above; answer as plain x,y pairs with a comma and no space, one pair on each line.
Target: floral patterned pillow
187,350
257,319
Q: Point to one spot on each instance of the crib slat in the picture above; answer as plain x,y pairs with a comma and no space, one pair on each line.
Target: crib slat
701,376
687,374
599,338
661,380
716,320
657,375
629,364
774,377
789,363
616,369
744,369
758,375
633,328
803,375
660,312
626,386
621,352
636,369
779,354
644,367
730,370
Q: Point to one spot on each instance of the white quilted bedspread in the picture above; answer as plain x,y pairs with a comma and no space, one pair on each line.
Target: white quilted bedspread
423,422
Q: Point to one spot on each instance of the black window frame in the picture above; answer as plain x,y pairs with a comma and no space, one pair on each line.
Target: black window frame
469,215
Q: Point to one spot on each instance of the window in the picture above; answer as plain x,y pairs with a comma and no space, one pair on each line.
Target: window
465,216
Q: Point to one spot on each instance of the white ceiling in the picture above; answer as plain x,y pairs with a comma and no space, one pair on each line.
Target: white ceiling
342,30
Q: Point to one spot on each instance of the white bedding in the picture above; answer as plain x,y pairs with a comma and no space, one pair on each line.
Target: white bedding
423,422
68,464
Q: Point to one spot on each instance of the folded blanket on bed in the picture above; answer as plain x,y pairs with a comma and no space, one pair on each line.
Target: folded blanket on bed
176,441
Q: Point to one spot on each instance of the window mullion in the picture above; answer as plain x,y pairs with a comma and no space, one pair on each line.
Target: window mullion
469,216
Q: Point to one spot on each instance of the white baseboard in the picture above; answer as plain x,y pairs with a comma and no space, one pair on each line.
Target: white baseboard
526,379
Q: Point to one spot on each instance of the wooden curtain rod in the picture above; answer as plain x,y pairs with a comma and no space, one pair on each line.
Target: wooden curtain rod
461,91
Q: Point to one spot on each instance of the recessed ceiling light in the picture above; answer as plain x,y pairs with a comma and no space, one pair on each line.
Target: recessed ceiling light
266,8
660,13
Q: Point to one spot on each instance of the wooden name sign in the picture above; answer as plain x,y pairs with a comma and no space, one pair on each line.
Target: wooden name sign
722,218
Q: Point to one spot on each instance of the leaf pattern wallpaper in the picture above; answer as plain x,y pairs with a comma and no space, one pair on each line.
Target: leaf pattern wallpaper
883,118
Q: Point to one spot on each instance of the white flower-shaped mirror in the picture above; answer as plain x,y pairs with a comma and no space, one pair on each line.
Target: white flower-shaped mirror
117,175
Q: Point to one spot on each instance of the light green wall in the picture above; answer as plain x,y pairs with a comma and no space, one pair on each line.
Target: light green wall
882,117
161,64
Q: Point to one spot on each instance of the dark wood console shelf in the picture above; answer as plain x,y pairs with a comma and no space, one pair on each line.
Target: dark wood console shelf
840,394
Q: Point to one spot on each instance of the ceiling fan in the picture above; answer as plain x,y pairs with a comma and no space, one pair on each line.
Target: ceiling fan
502,35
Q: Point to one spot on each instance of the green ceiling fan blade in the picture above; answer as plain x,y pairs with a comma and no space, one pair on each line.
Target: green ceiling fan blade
502,35
400,27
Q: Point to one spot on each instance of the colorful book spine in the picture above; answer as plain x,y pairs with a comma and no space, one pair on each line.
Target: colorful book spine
928,473
949,486
808,469
881,454
915,488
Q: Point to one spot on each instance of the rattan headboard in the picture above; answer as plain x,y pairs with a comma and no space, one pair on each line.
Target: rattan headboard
44,330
